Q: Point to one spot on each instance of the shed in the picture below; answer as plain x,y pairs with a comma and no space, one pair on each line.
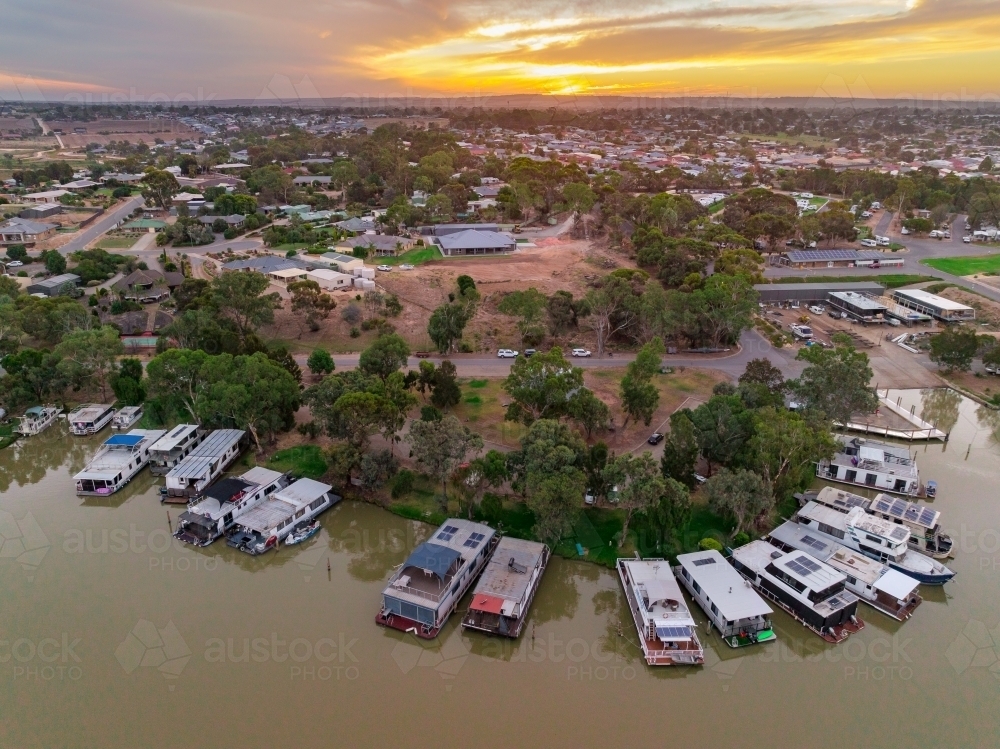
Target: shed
54,285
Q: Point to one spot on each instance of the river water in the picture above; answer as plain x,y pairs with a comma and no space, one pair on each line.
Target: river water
113,635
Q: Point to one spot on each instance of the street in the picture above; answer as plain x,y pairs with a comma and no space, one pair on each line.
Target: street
101,226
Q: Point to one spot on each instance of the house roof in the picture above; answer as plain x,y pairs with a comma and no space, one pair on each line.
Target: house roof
149,277
26,226
475,239
266,264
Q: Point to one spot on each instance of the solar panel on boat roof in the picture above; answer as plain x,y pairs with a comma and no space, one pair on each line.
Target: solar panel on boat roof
814,542
703,562
683,632
882,505
898,508
797,568
926,517
899,533
808,563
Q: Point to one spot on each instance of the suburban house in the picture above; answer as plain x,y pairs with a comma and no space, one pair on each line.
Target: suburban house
331,280
145,226
147,286
357,225
23,231
378,244
312,179
122,177
49,196
475,242
265,264
80,184
54,285
42,210
234,221
343,263
286,276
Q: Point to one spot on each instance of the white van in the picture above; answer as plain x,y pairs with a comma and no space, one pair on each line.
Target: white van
882,241
935,234
869,243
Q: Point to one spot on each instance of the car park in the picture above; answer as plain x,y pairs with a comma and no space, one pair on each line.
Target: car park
384,267
506,353
579,352
655,438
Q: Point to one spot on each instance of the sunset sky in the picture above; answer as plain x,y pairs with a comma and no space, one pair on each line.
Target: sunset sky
224,49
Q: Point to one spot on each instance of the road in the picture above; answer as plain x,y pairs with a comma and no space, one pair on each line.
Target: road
752,346
102,225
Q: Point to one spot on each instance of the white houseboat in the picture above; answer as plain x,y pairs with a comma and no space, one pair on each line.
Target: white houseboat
667,631
216,511
37,419
173,447
203,465
426,588
924,522
873,465
268,523
876,538
90,418
504,593
741,616
126,418
878,585
120,458
812,592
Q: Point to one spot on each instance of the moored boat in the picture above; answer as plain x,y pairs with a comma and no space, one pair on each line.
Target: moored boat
503,596
90,418
876,584
812,592
302,532
116,463
126,418
874,537
37,419
668,634
741,616
203,465
216,511
424,591
273,520
173,447
872,465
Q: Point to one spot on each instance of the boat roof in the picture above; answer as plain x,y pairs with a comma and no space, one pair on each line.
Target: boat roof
723,585
465,536
108,461
834,497
896,584
129,410
839,557
267,515
225,489
911,512
302,492
508,572
869,447
125,440
89,411
217,443
34,411
796,564
653,580
433,558
174,437
261,476
857,518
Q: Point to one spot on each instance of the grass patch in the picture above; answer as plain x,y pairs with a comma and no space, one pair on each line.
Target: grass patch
473,400
965,266
937,288
889,280
416,256
303,461
478,383
117,243
291,246
7,436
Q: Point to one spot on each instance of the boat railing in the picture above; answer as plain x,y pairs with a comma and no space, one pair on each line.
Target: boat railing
419,593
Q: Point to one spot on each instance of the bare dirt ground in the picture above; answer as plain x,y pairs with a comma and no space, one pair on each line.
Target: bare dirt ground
986,309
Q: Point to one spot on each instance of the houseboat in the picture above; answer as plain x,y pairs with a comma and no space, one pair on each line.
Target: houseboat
215,512
812,592
876,584
667,631
126,418
873,465
271,521
427,587
203,465
173,447
37,419
90,418
120,458
731,604
924,522
874,537
504,593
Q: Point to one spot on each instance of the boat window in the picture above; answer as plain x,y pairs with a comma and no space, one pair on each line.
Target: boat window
685,573
697,587
715,610
870,537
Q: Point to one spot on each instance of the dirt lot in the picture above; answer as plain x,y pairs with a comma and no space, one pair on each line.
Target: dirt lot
104,131
17,124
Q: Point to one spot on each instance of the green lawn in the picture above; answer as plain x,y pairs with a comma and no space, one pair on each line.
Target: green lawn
291,246
416,256
7,436
304,461
966,266
889,280
117,243
818,201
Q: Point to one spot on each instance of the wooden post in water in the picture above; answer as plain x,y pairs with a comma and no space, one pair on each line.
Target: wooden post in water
169,525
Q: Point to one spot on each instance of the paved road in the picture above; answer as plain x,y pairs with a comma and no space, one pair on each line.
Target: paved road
102,225
752,346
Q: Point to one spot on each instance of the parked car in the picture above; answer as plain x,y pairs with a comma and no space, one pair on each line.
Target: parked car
655,438
530,352
579,352
904,230
506,353
993,369
699,478
14,264
406,266
383,267
817,309
589,498
967,239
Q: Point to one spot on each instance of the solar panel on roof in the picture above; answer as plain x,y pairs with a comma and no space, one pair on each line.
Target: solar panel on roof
703,562
797,568
927,517
898,508
814,542
447,533
899,533
473,540
882,505
808,563
673,633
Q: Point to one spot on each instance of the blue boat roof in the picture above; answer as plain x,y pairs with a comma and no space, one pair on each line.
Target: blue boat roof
128,440
434,558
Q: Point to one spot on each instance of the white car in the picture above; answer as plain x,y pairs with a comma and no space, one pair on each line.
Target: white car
406,266
579,352
967,239
383,267
506,353
817,310
14,264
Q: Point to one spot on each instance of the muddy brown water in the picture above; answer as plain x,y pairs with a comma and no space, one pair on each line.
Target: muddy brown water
114,635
